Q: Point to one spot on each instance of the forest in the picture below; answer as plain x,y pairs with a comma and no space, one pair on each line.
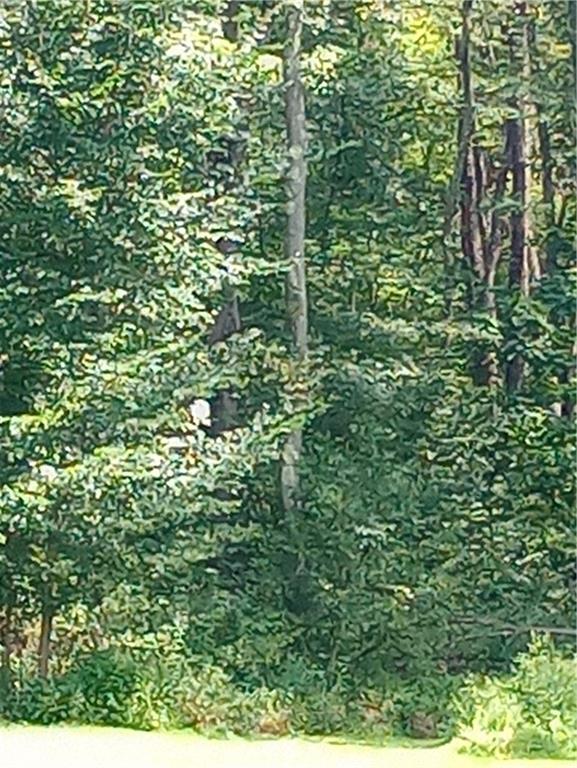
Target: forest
287,367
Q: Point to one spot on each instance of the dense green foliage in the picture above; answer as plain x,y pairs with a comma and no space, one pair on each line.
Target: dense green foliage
533,711
153,684
141,192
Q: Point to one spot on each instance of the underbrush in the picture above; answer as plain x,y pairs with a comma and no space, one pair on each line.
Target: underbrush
135,689
128,688
530,712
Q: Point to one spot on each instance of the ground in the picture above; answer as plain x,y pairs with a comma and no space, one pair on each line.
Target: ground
115,748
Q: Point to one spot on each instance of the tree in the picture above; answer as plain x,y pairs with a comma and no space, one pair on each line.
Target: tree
296,287
524,263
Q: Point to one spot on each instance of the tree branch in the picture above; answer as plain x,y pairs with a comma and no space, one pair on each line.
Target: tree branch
503,629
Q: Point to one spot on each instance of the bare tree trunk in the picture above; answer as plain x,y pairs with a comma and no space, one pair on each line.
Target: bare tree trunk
229,23
296,288
552,219
44,643
471,226
464,136
572,24
495,230
519,264
559,408
480,238
548,191
6,641
522,260
224,404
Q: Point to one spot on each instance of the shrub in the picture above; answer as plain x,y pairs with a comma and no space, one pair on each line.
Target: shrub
422,708
148,687
96,690
320,713
152,683
531,712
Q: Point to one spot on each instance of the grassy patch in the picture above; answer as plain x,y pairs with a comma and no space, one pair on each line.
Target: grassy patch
65,747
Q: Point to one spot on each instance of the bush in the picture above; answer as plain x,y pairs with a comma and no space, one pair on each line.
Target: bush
96,690
148,688
152,683
531,712
321,713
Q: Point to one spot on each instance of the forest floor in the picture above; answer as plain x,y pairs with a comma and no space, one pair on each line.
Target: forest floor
60,747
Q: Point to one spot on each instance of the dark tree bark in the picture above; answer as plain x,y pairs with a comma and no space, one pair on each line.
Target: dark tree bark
227,322
519,262
496,227
464,135
522,261
229,22
6,641
224,404
480,234
45,638
548,192
473,190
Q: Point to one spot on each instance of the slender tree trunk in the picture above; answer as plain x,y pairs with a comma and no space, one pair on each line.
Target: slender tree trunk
464,135
519,263
522,260
559,408
296,288
471,222
494,242
224,404
44,643
572,24
5,639
552,219
229,23
568,408
548,192
480,242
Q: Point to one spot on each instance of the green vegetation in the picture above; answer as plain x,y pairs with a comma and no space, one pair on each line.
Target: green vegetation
531,711
287,368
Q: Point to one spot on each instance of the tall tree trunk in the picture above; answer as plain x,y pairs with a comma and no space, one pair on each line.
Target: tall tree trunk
522,260
495,230
464,135
224,404
480,241
568,408
548,192
551,219
296,288
519,263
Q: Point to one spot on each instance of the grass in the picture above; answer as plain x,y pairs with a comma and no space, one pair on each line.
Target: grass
68,747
